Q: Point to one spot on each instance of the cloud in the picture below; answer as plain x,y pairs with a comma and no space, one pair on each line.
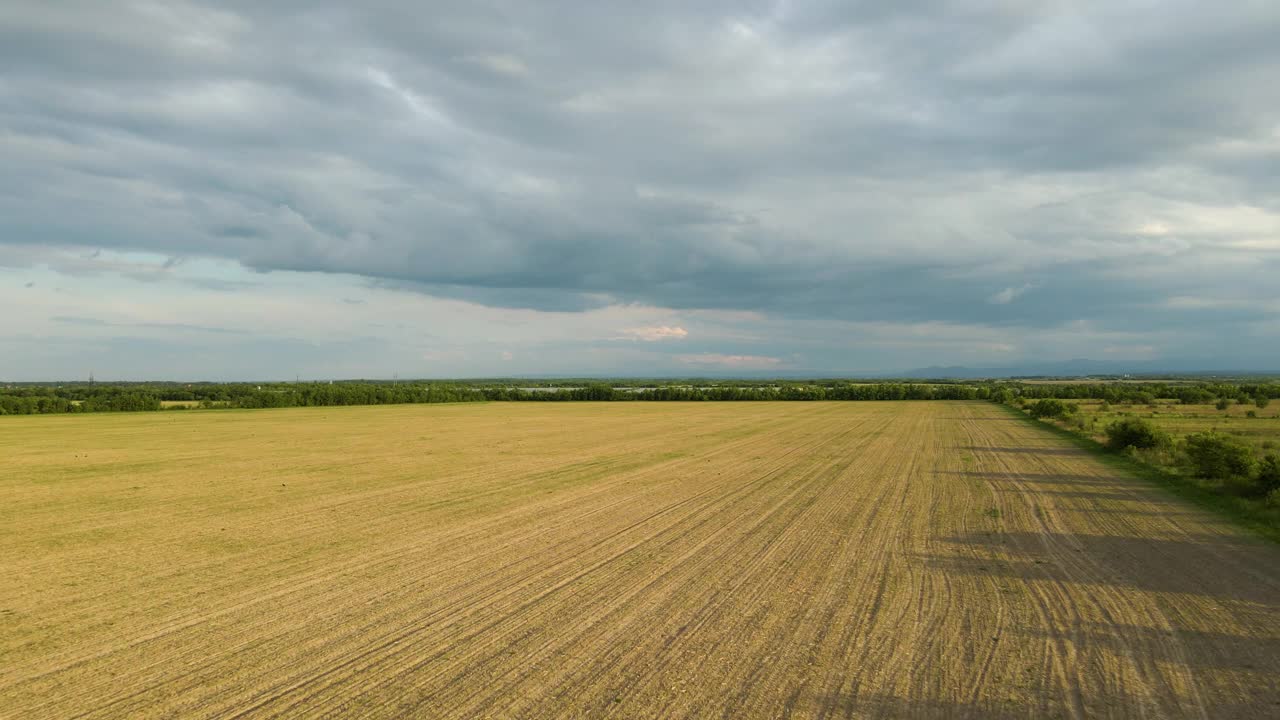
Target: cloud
1008,295
74,320
1131,352
166,326
809,161
655,333
436,356
500,64
732,362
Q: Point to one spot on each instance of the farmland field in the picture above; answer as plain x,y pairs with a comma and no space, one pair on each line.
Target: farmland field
807,560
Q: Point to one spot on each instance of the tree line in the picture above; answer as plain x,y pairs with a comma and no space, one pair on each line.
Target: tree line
27,399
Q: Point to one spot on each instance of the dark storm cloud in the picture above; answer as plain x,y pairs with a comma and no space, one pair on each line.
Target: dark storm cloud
863,161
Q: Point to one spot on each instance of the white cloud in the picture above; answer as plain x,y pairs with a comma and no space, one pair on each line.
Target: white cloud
1008,295
501,64
740,362
1131,352
655,333
443,355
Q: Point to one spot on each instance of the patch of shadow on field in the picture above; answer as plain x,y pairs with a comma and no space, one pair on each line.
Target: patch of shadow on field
1095,487
1091,494
869,705
1191,648
1164,513
1054,478
1022,450
1193,567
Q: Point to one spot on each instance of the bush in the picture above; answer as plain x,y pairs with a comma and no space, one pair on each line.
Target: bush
1273,498
1251,414
1213,455
1262,401
1135,433
1269,474
1049,408
1223,404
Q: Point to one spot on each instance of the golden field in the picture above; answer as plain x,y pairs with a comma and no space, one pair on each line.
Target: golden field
630,560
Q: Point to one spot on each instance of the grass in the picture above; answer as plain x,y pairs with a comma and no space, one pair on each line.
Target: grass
1182,420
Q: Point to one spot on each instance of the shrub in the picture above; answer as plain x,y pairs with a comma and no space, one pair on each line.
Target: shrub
1135,433
1223,404
1262,401
1251,414
1104,407
1213,455
1269,474
1049,407
1273,498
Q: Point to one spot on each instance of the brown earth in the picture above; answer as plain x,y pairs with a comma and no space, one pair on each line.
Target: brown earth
629,560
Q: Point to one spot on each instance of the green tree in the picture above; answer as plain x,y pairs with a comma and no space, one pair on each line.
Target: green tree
1049,407
1213,455
1136,433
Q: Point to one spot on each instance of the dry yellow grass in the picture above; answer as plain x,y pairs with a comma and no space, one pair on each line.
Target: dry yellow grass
615,560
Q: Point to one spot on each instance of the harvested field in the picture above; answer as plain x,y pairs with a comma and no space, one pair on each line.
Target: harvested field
806,560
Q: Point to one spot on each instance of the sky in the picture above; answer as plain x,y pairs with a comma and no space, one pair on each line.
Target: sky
249,190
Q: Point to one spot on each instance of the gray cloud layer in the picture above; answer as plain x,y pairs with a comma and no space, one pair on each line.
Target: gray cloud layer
1116,162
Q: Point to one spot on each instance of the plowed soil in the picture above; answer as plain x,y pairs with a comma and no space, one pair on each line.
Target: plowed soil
629,560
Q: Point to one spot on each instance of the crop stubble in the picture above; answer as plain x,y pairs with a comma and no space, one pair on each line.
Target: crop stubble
613,560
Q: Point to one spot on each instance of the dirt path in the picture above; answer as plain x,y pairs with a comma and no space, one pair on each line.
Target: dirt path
799,560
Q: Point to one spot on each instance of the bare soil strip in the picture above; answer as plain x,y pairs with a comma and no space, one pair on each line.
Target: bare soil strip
806,560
